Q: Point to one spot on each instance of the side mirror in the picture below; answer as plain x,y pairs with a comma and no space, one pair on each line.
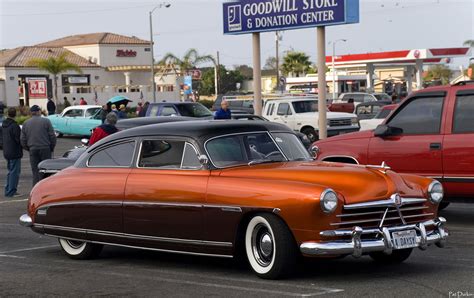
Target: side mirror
385,131
85,142
203,159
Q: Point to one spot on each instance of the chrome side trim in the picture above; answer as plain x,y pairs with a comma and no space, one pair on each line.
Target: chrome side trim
135,236
230,209
339,156
381,212
43,171
384,203
147,248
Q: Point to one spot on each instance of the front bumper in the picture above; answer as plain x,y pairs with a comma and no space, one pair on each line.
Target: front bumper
380,242
26,221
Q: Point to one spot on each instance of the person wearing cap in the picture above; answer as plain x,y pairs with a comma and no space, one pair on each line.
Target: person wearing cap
105,129
122,114
37,137
12,152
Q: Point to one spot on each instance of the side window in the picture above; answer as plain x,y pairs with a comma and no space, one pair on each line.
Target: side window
73,113
463,121
358,97
91,112
226,151
168,111
154,110
248,104
235,103
420,116
270,109
283,109
119,155
167,154
368,97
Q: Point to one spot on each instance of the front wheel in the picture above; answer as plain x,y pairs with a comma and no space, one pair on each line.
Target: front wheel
270,247
80,250
397,256
311,134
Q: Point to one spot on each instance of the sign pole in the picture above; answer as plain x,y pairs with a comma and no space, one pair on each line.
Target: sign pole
321,38
257,75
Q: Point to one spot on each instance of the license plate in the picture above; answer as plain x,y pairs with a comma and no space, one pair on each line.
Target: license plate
404,239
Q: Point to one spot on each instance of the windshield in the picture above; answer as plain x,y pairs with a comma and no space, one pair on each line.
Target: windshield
255,148
305,106
383,96
193,110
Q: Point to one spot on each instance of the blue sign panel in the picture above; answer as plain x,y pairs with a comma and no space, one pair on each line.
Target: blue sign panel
247,16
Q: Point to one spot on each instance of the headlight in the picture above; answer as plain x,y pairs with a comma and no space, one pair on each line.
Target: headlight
355,121
314,151
435,192
328,201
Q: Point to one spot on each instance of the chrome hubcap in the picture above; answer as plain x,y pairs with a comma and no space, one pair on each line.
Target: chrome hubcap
262,245
74,244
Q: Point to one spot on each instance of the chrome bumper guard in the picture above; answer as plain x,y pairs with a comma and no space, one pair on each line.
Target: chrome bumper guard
26,221
382,240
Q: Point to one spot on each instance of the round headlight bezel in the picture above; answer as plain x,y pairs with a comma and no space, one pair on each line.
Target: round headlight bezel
431,188
329,196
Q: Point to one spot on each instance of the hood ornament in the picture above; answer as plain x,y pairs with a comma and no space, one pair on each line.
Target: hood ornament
383,168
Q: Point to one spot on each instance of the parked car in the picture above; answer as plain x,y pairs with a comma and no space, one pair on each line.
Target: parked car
345,107
370,124
53,166
76,120
431,133
360,97
301,114
185,109
369,110
228,95
221,188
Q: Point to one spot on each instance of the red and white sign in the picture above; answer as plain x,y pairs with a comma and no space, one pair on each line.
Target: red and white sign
126,53
37,87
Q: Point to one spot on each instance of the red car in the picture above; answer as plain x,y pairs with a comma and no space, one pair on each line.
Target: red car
430,134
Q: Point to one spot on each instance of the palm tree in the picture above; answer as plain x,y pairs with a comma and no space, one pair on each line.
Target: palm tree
55,66
190,60
296,63
469,43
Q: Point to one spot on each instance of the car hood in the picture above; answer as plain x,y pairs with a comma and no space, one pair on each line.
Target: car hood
57,164
356,183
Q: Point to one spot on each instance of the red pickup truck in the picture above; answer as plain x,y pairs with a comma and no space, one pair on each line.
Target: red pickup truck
430,134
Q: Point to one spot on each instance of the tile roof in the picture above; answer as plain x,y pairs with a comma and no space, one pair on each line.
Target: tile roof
19,57
93,38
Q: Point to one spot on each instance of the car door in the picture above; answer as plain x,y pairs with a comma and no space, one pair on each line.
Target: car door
165,193
73,120
418,149
458,145
88,122
284,114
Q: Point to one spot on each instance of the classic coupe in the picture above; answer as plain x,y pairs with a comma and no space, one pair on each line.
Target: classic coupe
76,120
233,188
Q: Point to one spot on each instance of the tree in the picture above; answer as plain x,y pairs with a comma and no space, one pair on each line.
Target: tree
190,60
296,64
228,80
439,72
55,66
245,70
469,43
270,63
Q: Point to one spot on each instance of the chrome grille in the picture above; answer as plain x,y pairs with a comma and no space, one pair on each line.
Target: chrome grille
340,122
383,216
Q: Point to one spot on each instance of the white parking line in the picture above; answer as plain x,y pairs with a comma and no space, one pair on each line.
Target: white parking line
27,249
14,257
14,201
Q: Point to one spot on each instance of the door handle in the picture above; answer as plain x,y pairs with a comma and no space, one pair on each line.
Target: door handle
435,146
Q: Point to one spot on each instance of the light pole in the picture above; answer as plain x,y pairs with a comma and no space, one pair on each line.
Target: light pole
152,64
333,67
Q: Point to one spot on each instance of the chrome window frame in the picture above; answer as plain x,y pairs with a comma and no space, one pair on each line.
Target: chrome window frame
243,133
106,146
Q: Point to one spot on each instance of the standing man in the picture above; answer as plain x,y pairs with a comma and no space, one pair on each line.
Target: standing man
224,112
66,102
83,102
74,102
37,136
51,107
12,152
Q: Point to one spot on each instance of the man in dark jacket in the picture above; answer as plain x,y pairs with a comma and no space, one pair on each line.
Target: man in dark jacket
51,107
105,129
37,136
224,112
12,152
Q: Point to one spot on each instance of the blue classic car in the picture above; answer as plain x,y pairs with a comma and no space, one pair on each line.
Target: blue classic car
76,120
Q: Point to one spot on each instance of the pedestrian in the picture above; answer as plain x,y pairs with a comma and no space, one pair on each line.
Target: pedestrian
83,102
66,102
12,152
2,110
37,137
51,107
122,114
114,110
144,109
139,108
224,112
23,109
74,102
105,129
103,113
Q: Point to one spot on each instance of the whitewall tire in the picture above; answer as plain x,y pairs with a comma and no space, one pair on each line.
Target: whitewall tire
270,246
80,250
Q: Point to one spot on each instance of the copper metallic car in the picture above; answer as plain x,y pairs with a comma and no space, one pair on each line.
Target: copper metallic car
221,188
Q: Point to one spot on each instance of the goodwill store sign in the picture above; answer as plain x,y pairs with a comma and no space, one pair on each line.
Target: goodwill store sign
247,16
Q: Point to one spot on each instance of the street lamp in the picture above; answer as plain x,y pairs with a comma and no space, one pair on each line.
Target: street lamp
333,67
152,64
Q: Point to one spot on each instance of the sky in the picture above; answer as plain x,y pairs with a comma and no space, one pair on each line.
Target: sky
384,25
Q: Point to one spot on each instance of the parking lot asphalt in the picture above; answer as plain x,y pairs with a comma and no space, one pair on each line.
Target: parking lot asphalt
34,265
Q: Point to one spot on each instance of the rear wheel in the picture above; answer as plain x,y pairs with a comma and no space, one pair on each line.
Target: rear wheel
310,133
80,250
397,256
270,247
